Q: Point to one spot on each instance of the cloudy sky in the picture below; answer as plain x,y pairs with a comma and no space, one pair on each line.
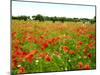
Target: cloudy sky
48,9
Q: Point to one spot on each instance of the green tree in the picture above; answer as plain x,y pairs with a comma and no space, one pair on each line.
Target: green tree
39,17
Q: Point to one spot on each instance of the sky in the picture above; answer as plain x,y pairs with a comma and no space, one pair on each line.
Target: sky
48,9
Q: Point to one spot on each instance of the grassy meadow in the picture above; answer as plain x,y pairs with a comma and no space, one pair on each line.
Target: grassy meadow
52,47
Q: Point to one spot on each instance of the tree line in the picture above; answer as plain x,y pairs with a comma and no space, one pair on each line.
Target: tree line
42,18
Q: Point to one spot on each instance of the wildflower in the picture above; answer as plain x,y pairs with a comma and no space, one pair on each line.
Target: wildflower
18,65
90,55
17,41
37,61
21,70
31,53
44,46
91,45
69,60
85,51
15,63
71,52
14,34
80,65
48,58
80,43
65,48
90,36
41,55
24,54
87,67
49,41
18,53
42,37
29,57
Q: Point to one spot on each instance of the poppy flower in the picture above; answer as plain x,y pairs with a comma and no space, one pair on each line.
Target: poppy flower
90,55
35,40
29,57
44,46
30,39
85,51
41,37
87,67
42,55
80,65
80,43
14,63
31,53
17,53
90,36
65,48
71,52
24,54
91,45
14,34
17,41
49,41
16,47
48,58
22,70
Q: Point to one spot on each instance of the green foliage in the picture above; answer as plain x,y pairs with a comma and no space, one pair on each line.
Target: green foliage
21,17
41,18
65,36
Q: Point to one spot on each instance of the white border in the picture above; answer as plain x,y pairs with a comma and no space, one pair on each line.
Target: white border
5,37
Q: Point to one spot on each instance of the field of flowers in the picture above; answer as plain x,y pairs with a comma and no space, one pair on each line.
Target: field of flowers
50,47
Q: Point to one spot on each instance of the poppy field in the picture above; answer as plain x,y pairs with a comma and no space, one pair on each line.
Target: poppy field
52,47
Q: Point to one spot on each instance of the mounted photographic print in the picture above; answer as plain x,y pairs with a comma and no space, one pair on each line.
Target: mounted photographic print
52,37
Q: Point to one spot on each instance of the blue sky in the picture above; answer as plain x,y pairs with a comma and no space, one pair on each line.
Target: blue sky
32,8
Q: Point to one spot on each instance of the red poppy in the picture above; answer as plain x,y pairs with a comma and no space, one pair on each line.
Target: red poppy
16,47
14,34
29,57
14,63
30,39
17,41
71,52
22,70
90,36
35,40
65,48
48,58
18,53
44,46
85,51
32,53
80,65
80,43
41,37
87,67
42,55
49,41
91,45
90,55
24,54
